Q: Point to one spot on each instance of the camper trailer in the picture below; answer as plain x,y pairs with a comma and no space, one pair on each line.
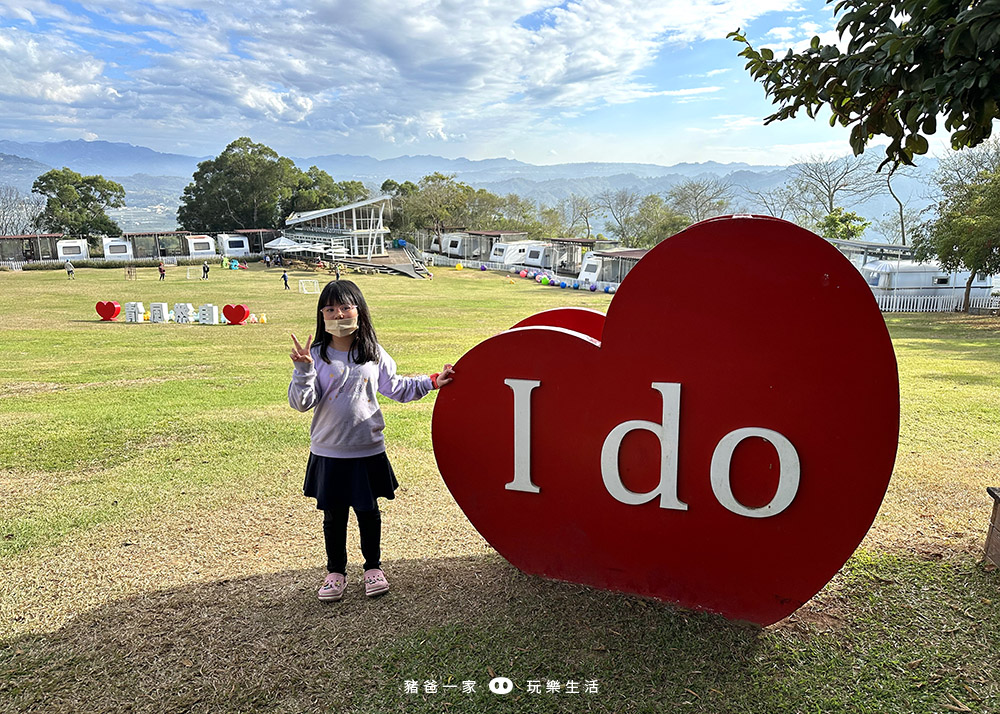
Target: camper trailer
546,256
590,270
906,277
610,266
512,253
75,249
201,246
234,246
118,249
435,246
461,245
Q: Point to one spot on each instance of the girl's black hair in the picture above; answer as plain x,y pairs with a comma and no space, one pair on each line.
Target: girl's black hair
344,292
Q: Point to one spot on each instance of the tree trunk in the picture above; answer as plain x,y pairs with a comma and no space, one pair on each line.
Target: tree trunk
902,222
968,291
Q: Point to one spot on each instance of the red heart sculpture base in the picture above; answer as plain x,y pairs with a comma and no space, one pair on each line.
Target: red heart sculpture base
108,310
236,314
724,445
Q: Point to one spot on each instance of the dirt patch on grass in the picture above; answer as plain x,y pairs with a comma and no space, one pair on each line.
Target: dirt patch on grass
177,548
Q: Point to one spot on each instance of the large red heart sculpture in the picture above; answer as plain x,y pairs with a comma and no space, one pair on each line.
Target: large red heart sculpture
236,314
783,442
108,310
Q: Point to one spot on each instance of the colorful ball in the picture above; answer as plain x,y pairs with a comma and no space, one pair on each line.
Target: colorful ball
562,284
607,288
593,288
458,266
523,273
545,281
482,267
576,286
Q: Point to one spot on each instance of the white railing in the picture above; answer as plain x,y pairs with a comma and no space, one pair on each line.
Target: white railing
933,303
474,264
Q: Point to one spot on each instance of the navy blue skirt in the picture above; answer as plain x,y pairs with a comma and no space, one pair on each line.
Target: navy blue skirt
336,483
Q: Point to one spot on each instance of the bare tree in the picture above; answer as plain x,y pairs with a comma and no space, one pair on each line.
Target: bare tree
829,183
622,205
578,210
19,213
958,169
783,201
900,229
699,199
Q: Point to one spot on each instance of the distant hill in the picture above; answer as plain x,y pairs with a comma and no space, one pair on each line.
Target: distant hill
103,157
20,172
154,181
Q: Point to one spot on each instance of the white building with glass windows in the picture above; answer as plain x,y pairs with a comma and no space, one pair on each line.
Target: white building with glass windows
356,230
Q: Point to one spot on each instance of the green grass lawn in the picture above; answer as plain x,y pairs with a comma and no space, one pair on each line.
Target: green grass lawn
158,555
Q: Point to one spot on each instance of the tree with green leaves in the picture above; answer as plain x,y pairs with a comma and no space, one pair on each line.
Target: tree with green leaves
965,231
839,224
243,187
77,204
656,220
438,203
315,189
907,63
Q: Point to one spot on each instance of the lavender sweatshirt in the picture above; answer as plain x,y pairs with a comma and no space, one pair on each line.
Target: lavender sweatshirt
347,421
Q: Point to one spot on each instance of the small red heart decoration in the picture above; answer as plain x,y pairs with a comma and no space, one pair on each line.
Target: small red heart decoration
236,314
723,441
108,310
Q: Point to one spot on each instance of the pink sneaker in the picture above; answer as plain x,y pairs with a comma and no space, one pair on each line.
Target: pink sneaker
375,582
333,587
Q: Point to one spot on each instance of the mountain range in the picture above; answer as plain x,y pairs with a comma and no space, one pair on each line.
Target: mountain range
154,181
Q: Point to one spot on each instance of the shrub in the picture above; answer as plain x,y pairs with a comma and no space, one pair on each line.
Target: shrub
138,263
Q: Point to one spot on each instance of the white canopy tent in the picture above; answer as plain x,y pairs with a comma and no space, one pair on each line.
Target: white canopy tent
281,243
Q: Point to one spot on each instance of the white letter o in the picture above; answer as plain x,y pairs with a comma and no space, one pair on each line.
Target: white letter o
788,479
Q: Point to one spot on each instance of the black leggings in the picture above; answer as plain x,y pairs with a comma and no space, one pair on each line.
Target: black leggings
335,536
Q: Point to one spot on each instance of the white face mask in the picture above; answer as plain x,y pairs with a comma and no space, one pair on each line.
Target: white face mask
343,327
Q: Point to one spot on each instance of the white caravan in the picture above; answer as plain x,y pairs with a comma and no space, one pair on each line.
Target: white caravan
906,277
513,253
546,256
72,249
117,249
201,246
460,245
234,246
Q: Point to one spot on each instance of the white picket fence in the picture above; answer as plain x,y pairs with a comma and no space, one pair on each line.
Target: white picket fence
933,303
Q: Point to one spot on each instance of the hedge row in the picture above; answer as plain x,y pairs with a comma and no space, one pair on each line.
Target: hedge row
141,263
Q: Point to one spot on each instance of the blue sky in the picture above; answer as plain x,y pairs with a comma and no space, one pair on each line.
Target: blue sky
651,81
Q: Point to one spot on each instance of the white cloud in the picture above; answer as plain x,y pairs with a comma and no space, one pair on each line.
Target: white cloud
50,72
381,71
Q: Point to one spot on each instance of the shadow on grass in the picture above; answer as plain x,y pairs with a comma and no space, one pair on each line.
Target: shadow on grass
266,644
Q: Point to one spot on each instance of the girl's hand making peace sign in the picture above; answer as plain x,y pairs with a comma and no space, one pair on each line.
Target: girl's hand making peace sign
300,353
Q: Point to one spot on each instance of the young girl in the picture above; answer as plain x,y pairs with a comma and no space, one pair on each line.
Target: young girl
338,377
